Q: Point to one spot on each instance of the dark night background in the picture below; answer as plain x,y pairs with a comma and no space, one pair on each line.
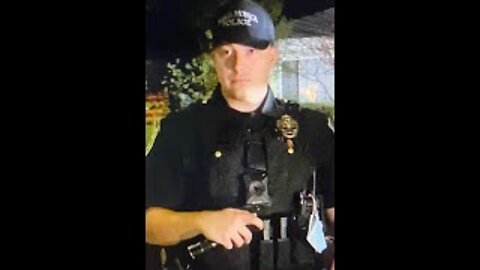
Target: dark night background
168,27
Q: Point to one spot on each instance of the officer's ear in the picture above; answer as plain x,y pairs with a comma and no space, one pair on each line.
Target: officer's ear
211,53
211,56
272,54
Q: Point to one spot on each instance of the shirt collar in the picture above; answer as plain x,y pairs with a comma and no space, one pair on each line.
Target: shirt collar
268,106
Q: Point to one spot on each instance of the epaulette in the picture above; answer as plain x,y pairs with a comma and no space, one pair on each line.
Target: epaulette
289,107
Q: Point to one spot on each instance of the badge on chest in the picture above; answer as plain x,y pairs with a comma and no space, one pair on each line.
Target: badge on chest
289,129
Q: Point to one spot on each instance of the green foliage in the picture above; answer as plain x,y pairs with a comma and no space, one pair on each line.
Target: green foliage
194,81
283,28
151,132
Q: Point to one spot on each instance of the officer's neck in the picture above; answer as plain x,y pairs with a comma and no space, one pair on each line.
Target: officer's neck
246,100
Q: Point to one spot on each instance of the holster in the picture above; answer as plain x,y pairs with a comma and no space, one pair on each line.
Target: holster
266,252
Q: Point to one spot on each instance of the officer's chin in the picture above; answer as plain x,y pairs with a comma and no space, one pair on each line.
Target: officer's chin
241,85
239,89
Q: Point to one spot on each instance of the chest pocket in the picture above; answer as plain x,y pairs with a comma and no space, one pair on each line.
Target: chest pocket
225,168
288,173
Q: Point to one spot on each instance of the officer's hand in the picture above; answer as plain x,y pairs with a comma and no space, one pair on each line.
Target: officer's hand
228,227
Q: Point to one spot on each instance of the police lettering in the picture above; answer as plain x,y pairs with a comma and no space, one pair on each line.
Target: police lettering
238,17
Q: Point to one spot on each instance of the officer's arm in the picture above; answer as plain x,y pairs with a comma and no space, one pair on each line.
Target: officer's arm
227,227
330,216
166,227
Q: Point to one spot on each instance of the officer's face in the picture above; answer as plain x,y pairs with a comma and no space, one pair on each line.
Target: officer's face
242,69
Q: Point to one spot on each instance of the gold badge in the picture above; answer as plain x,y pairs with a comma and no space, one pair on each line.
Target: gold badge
289,128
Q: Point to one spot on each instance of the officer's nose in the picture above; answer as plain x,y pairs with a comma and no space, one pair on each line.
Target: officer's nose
239,62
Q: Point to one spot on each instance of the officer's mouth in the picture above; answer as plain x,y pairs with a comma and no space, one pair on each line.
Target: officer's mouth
240,80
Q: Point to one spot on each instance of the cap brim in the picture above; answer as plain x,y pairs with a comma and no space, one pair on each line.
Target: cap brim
243,39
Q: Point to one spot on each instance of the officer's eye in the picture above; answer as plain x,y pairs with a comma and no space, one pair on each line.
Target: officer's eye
226,52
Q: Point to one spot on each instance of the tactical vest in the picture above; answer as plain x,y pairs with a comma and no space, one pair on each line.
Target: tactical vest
287,173
222,162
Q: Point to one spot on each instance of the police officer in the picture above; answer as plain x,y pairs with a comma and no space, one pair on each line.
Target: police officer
243,173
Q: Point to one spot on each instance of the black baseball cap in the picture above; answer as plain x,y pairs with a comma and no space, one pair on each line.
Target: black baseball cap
244,22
